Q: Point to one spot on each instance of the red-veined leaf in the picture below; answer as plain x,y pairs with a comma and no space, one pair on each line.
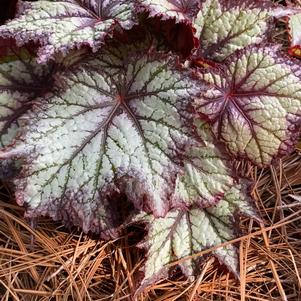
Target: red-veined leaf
119,123
254,103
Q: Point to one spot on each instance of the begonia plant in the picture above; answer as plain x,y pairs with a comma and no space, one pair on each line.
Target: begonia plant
152,101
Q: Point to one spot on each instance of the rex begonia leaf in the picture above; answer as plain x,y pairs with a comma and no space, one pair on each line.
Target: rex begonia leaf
182,233
120,122
254,103
180,10
21,80
206,176
68,24
224,26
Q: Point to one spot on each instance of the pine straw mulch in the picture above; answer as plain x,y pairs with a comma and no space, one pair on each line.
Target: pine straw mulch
48,262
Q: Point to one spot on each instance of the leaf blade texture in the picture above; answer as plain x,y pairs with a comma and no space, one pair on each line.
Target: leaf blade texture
119,123
60,26
254,104
207,175
225,26
181,234
180,10
21,80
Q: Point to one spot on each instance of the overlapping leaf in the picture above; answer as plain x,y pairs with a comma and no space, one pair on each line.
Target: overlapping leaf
224,26
117,123
21,80
206,175
180,10
63,25
184,233
254,103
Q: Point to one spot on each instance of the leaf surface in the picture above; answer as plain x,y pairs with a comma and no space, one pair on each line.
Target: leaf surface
180,10
206,173
21,80
184,233
254,103
60,26
224,26
120,123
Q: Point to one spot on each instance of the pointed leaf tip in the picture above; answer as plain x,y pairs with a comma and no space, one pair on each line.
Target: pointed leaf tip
182,233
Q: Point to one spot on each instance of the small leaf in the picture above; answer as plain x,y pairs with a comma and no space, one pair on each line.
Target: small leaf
60,26
224,26
184,233
119,123
21,80
180,10
254,103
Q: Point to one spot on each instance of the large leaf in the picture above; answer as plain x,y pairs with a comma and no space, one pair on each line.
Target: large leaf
254,103
118,123
224,26
180,10
21,80
63,25
183,233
